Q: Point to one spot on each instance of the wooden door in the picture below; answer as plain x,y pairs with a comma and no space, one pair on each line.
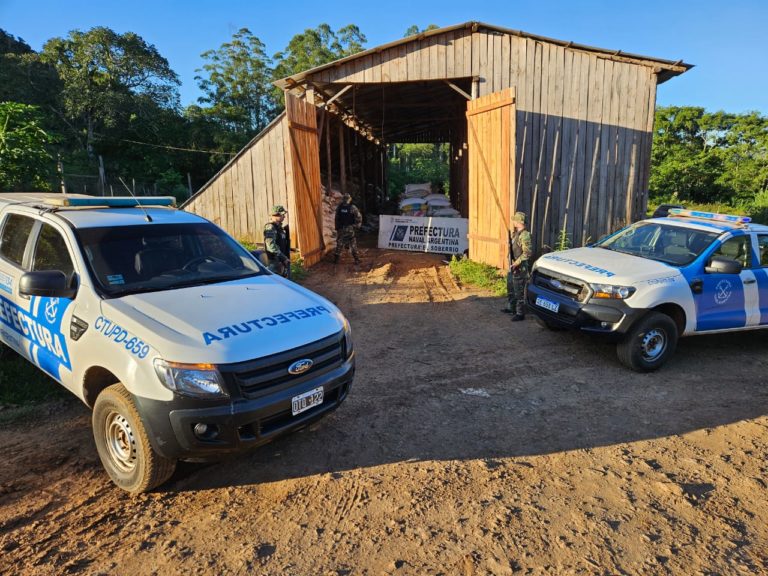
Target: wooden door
491,147
306,221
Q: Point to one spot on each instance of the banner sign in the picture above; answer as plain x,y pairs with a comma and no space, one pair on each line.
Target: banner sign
441,235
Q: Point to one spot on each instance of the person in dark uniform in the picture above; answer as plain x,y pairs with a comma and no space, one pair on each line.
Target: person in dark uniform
521,250
276,242
348,219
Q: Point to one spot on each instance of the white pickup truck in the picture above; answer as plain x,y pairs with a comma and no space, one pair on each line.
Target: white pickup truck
655,280
182,343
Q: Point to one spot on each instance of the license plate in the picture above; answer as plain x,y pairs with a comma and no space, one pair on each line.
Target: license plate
306,401
548,304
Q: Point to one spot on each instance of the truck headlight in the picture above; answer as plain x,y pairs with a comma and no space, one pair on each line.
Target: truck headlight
347,344
199,380
612,292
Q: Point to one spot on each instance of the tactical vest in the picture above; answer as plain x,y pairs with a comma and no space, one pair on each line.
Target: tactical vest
517,249
344,216
281,238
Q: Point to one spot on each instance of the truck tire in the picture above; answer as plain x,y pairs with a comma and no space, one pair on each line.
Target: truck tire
649,343
123,444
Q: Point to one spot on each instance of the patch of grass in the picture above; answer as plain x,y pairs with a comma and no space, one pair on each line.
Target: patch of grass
477,274
23,384
298,272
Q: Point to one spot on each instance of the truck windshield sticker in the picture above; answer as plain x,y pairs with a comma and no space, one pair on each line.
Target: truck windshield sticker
115,279
572,262
42,328
261,323
120,336
6,282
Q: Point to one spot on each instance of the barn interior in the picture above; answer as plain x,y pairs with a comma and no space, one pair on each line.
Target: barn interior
358,124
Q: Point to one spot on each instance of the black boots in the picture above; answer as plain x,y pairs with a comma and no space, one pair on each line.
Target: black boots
518,317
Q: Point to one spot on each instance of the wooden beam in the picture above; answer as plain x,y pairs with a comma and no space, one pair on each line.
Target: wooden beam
459,90
339,93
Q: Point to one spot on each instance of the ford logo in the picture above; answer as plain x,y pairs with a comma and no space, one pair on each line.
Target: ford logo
300,366
556,284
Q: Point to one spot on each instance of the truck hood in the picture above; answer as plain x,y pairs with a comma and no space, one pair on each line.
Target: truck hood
598,265
227,322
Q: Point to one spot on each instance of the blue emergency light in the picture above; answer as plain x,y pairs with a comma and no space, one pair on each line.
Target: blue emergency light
710,216
110,201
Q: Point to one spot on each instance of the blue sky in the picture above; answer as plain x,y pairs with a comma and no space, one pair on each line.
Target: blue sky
725,40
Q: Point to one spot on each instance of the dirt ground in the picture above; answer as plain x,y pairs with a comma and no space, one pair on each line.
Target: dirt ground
468,445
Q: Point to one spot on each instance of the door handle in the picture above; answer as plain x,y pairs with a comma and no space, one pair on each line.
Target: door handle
749,281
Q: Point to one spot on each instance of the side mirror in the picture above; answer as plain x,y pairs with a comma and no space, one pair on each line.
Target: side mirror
47,283
723,265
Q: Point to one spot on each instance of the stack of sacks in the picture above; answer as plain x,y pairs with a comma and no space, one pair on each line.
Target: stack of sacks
417,190
446,212
413,207
330,202
436,202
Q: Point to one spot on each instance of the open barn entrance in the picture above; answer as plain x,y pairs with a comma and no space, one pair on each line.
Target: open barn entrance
366,132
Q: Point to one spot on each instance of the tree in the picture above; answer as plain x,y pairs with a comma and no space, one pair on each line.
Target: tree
682,163
709,157
237,89
25,163
315,47
23,76
413,30
107,77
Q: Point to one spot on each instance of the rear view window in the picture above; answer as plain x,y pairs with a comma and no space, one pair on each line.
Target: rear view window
15,235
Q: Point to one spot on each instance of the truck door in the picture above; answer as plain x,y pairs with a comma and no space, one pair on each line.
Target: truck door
761,276
721,304
34,326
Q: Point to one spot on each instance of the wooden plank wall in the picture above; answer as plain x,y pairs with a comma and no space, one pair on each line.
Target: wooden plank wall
491,127
240,197
584,121
302,147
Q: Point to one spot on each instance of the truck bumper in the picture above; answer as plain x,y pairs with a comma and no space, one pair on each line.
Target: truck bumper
239,424
610,319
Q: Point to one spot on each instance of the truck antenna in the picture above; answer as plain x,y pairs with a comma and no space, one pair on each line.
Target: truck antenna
147,217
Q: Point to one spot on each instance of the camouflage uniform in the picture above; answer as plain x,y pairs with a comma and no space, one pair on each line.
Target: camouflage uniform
276,244
348,218
521,250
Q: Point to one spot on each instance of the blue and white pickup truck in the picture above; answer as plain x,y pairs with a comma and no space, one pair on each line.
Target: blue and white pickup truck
656,280
184,345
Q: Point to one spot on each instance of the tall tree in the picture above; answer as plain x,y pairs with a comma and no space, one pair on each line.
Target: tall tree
413,29
236,87
315,47
107,77
23,76
25,163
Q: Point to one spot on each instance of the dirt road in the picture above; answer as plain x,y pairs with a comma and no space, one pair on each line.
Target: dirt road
468,445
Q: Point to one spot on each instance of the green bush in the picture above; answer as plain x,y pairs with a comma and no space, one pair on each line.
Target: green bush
477,274
21,383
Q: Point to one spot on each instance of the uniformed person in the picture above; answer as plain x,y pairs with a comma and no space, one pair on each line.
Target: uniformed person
276,242
521,250
348,219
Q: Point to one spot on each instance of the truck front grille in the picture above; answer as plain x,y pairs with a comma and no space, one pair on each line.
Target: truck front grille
572,288
253,377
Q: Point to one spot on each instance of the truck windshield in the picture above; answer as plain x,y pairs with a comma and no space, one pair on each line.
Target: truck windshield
132,259
670,244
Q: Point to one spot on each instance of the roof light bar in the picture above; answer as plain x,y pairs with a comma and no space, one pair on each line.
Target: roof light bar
710,216
111,201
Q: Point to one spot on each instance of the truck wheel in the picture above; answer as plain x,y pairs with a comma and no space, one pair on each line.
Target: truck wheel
649,343
123,444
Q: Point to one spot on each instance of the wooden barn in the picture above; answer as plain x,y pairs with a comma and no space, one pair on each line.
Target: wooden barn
558,130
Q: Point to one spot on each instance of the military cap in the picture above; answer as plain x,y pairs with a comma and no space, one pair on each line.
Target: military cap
519,217
278,210
346,198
